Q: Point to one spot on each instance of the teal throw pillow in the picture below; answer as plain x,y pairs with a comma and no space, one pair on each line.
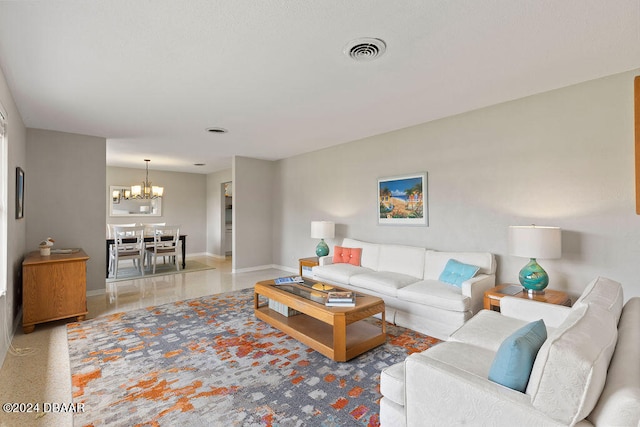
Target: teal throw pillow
514,360
456,272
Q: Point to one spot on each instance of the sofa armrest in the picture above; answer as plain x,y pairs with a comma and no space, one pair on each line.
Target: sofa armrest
530,310
441,394
475,288
325,260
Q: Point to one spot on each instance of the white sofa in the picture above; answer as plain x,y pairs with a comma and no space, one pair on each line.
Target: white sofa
406,278
577,378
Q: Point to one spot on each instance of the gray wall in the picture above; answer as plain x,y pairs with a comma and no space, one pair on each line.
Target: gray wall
215,204
16,228
252,213
64,196
562,158
183,202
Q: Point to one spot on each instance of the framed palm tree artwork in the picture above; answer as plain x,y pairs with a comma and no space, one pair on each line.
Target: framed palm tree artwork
402,200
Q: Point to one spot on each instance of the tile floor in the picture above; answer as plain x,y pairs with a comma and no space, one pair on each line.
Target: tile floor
42,373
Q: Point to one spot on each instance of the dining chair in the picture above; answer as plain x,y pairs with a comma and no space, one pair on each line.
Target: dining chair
166,242
128,244
111,227
149,227
111,235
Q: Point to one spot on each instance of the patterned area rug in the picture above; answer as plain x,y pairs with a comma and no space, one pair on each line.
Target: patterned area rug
210,362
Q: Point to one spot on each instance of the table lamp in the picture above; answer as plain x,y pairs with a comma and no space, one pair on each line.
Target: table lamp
534,242
322,230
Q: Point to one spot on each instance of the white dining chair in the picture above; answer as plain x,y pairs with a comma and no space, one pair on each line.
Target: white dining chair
166,242
149,227
128,244
111,235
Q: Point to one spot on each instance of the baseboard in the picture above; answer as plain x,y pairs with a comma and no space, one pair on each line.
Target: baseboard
196,254
250,269
216,256
10,330
96,292
264,267
285,268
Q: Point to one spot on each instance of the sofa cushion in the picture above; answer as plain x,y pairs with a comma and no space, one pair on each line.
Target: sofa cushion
337,273
604,292
487,329
347,255
435,261
513,362
584,342
469,358
436,294
392,383
407,260
383,282
456,272
392,414
370,252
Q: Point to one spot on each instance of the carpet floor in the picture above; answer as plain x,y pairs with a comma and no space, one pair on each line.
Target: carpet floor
209,362
128,273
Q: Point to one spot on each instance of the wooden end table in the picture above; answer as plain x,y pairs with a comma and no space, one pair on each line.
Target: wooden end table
306,264
336,332
54,287
492,297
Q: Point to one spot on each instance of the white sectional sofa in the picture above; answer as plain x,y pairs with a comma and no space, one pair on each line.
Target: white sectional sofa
407,279
586,372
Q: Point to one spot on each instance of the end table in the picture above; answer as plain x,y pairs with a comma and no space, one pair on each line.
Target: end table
492,297
306,264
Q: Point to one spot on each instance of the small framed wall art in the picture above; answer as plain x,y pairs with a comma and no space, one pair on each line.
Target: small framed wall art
19,193
402,200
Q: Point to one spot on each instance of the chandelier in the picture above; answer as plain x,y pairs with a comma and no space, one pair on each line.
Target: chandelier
146,190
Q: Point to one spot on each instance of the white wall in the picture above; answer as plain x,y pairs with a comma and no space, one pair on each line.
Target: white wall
16,228
562,158
183,202
64,195
215,206
253,201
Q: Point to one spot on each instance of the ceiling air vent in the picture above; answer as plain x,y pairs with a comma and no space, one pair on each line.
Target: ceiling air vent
365,49
217,130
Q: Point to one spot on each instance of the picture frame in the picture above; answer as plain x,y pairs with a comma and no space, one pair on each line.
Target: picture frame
636,108
402,200
19,193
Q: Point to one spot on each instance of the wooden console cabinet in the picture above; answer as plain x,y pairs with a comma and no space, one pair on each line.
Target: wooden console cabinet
53,287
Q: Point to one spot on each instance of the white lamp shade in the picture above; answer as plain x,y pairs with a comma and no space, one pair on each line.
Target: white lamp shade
157,191
532,241
322,229
136,190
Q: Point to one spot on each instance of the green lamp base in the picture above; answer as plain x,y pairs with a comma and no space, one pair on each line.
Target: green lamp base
533,277
322,249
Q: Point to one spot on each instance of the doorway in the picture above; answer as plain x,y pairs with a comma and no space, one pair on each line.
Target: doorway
227,216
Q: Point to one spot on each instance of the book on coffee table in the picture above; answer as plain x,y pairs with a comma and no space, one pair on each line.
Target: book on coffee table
288,280
340,304
341,299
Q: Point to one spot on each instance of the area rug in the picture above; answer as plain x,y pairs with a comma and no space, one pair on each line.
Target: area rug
210,362
162,269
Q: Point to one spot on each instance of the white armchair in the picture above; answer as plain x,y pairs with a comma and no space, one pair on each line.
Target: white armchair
586,372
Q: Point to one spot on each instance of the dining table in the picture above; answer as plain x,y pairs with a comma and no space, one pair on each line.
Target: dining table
149,239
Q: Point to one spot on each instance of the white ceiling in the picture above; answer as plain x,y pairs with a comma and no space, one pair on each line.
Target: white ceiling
152,75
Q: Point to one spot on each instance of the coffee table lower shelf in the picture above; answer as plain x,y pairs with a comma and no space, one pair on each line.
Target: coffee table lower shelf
360,336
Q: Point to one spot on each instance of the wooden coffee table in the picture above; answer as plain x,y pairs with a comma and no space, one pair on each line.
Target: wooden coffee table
336,332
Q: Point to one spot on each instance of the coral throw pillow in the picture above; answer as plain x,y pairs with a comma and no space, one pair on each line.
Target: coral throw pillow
347,255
